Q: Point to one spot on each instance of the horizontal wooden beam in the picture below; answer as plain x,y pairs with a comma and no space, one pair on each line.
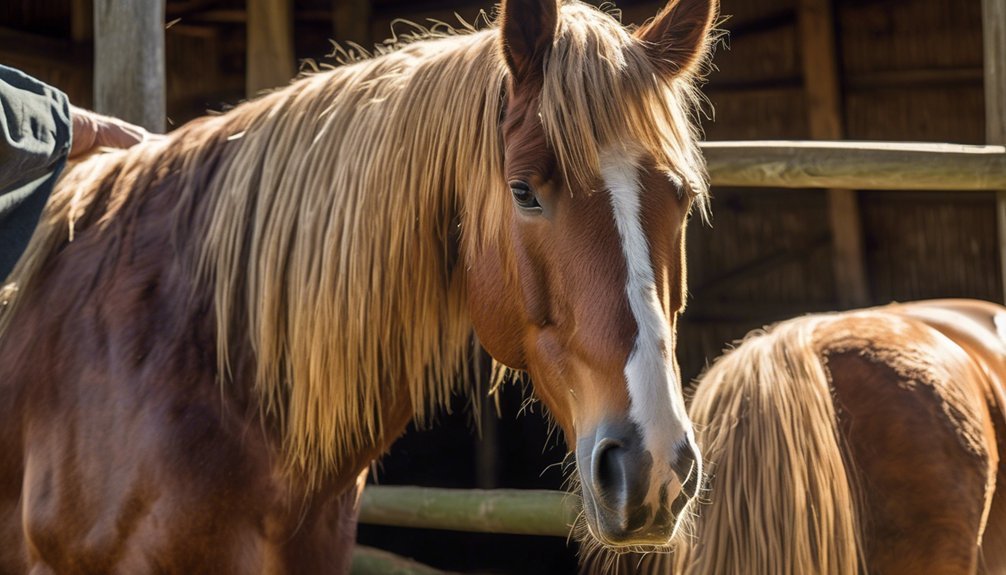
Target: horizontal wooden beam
762,265
856,165
762,22
42,49
922,78
183,7
512,511
773,84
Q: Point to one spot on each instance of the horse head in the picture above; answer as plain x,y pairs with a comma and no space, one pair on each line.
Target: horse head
585,286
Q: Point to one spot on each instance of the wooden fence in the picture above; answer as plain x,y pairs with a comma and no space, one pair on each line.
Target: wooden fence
856,165
509,511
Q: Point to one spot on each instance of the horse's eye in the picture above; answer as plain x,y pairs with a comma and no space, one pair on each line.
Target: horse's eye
523,195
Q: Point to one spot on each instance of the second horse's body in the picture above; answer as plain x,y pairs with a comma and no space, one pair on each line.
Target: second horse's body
868,441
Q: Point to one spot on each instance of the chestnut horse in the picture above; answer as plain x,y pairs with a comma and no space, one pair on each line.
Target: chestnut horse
857,442
210,337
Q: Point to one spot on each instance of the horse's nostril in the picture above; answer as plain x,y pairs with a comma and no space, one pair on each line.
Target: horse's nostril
687,467
617,473
607,465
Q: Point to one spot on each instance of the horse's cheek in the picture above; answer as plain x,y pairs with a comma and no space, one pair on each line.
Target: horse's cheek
494,310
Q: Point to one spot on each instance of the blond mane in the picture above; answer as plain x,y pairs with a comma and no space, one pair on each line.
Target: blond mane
781,499
321,229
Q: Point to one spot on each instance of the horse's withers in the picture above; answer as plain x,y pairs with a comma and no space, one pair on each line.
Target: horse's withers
584,289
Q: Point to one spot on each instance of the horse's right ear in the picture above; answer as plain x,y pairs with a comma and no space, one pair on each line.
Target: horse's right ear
528,29
678,38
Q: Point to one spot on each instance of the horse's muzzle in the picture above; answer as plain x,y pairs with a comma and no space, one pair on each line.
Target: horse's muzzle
629,496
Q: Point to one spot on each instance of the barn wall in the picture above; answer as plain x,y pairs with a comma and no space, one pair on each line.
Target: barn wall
910,70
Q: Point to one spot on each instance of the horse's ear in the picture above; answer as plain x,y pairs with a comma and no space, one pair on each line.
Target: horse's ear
678,38
528,29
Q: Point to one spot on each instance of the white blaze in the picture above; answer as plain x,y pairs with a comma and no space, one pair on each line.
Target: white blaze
656,405
1000,322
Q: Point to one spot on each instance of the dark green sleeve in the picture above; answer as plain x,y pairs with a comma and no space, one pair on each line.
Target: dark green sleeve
35,133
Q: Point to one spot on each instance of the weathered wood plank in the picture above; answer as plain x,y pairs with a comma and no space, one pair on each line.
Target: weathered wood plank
820,68
994,29
270,52
848,265
856,165
821,82
927,77
129,61
513,511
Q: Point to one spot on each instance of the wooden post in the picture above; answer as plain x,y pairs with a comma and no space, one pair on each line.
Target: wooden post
129,61
270,45
351,19
820,72
487,448
994,28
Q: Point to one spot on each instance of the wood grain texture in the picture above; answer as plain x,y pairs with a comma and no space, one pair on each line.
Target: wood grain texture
820,68
994,25
994,38
821,81
270,55
856,165
129,61
514,511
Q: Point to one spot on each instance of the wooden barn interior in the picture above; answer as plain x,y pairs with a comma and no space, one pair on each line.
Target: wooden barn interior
895,70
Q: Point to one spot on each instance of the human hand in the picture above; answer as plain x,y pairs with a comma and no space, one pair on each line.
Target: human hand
92,131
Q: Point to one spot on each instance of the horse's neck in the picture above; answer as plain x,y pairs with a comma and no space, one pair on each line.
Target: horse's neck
348,191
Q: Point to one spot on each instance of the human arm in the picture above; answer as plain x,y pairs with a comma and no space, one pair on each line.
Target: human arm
39,128
39,131
35,132
92,131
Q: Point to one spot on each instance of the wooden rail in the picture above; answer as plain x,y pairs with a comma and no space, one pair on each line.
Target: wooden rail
856,165
780,164
512,511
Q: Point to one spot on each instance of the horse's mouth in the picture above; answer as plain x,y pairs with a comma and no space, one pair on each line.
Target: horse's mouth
638,529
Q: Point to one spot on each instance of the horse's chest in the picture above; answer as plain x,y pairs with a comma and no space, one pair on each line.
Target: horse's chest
154,483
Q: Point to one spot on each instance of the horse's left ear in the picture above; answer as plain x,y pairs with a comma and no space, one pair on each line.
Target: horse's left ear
528,29
678,38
